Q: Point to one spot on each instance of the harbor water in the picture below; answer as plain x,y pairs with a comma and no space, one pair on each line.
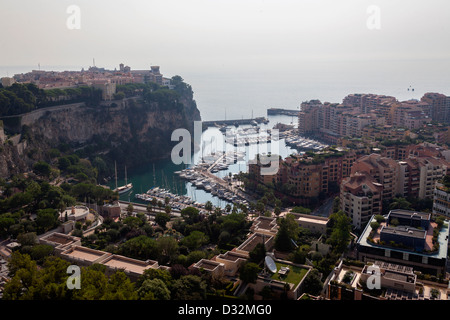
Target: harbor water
162,173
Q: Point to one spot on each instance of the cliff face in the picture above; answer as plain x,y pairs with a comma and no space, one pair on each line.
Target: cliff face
130,131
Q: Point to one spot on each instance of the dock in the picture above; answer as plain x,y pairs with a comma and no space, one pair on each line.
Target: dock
237,122
280,111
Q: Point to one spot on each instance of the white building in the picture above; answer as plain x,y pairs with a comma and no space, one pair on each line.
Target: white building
431,170
441,200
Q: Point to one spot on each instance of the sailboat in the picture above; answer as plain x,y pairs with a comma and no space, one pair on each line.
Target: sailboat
125,188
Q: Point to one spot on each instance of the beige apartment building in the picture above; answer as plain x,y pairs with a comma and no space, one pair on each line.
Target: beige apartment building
360,198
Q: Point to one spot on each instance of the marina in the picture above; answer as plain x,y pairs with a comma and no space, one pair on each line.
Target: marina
301,143
207,177
176,202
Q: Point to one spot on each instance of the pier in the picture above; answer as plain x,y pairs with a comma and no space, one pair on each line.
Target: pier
279,111
238,122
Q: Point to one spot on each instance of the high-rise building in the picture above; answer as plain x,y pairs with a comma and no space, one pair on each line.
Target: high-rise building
310,117
410,177
431,170
360,198
384,170
440,106
441,199
366,103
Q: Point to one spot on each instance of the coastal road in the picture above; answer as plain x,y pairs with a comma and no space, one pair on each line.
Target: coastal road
138,207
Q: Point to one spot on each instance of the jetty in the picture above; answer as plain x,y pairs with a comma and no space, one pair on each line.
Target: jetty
237,122
280,111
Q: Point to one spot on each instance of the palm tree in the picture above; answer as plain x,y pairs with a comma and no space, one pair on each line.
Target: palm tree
399,203
208,206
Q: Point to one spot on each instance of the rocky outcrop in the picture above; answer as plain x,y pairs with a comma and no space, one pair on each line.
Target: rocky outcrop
129,131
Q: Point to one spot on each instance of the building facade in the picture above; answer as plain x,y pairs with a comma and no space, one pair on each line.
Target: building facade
360,198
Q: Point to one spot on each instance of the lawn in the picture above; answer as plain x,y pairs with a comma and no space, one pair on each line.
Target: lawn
295,275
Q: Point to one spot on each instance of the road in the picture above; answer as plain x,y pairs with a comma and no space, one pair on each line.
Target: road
325,209
143,208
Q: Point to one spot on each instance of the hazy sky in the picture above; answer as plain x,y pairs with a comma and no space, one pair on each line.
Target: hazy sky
204,34
241,55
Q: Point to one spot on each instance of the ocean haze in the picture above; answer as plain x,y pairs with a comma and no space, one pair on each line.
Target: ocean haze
242,57
231,92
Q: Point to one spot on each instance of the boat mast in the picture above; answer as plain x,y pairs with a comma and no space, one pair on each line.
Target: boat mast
115,170
126,182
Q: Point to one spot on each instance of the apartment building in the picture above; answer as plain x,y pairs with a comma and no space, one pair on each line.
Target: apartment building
411,114
263,170
311,175
406,243
366,102
360,198
383,170
431,170
440,106
441,200
412,176
307,178
384,132
310,117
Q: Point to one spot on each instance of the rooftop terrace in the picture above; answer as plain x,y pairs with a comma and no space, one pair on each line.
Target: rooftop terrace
442,239
404,231
85,254
294,275
249,244
128,264
207,264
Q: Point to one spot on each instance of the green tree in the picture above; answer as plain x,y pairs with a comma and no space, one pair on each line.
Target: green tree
30,283
208,206
153,289
194,256
399,203
42,168
302,210
27,239
93,285
120,287
5,223
195,240
248,272
168,248
190,214
150,274
141,247
374,225
130,209
313,283
162,218
189,287
395,222
287,232
340,234
46,219
258,253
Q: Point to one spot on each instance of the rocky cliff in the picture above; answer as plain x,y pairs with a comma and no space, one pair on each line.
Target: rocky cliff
130,131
